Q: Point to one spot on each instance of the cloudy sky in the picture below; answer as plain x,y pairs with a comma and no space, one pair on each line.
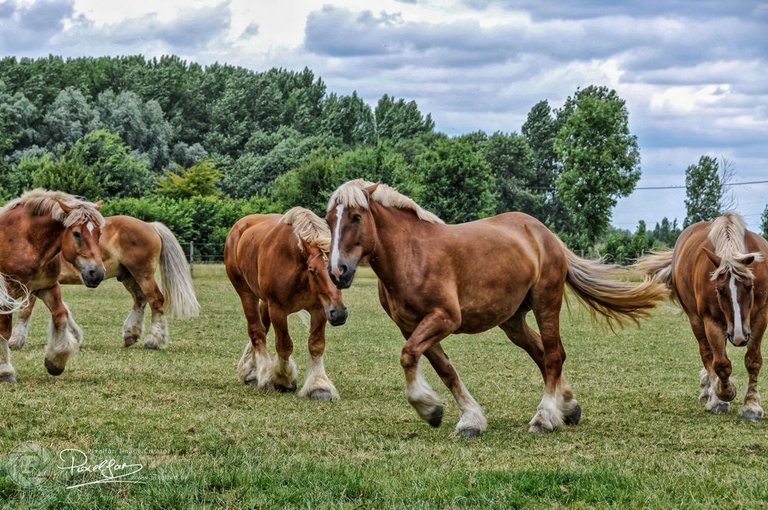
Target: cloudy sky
694,74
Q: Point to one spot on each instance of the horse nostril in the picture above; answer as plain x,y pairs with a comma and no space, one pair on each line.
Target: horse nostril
343,268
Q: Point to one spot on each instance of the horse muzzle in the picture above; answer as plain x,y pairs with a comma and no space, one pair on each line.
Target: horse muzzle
739,341
341,277
336,316
92,275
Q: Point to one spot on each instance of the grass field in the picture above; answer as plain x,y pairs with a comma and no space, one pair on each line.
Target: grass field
204,440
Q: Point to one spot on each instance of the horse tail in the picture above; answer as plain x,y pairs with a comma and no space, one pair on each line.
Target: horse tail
175,276
594,283
8,303
657,266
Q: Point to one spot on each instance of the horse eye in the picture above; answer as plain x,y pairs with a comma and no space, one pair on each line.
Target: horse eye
77,235
356,218
721,291
748,287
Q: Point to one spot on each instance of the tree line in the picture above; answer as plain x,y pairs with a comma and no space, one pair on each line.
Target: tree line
197,147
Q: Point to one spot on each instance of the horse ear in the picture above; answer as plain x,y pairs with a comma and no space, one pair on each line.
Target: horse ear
747,259
371,189
712,257
98,204
64,207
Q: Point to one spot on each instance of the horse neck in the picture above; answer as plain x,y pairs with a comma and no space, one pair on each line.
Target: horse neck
395,228
46,237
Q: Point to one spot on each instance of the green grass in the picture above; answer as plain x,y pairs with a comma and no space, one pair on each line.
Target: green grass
207,441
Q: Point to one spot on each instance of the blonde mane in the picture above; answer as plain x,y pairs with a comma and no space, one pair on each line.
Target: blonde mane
727,236
351,194
41,202
309,227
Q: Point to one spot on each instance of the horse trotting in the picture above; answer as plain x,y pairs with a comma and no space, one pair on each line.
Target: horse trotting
132,250
37,231
437,279
277,265
719,275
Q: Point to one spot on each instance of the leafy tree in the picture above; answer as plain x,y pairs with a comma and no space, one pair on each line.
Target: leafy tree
622,247
349,119
119,173
141,125
764,222
197,181
396,120
705,189
305,186
69,118
187,155
540,130
457,182
65,174
600,159
666,233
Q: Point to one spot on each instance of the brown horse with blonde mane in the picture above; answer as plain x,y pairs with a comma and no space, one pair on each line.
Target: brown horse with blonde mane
437,279
34,230
718,273
277,266
132,250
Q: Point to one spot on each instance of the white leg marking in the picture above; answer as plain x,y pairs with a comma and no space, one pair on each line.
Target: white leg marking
317,380
158,337
472,416
422,397
738,328
549,415
7,372
336,234
19,333
254,368
284,373
133,327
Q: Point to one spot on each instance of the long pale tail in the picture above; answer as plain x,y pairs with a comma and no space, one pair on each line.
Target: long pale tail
595,284
657,266
176,279
8,303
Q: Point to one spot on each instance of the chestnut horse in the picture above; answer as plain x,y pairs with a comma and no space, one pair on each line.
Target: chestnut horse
34,230
132,250
718,273
437,279
277,266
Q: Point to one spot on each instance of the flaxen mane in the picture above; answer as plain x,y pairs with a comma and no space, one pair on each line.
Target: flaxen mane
308,226
41,202
727,236
350,194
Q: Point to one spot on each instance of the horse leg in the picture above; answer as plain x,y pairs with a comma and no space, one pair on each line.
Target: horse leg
133,327
254,365
707,377
21,328
753,360
557,406
721,384
64,335
432,328
284,376
472,420
317,385
7,372
158,337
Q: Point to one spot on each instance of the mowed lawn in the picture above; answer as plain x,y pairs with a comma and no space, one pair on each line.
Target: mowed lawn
204,440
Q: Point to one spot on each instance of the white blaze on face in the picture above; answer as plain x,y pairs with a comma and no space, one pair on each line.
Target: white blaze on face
738,329
90,227
336,235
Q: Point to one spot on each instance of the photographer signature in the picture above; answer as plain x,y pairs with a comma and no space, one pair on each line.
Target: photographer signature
111,471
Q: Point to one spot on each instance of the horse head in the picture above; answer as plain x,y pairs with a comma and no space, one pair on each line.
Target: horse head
734,283
320,284
80,241
352,231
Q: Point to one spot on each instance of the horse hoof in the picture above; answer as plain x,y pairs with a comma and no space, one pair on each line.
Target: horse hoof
285,389
321,395
53,369
8,378
436,418
130,340
469,433
720,408
252,382
575,417
751,415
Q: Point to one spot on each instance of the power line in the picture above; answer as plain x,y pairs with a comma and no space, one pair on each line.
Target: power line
683,187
